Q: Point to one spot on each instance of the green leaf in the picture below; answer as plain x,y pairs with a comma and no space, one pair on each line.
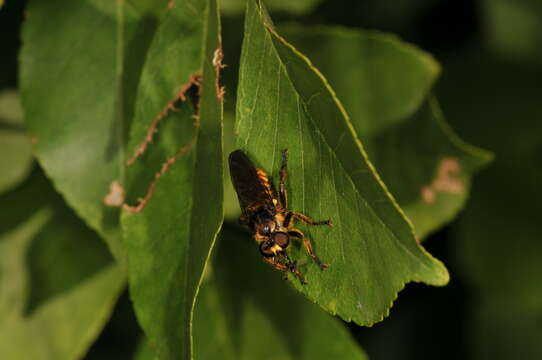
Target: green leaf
246,311
380,80
284,102
384,85
13,141
53,306
168,243
80,67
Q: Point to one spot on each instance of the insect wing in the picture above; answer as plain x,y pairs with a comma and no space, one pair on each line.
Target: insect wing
250,190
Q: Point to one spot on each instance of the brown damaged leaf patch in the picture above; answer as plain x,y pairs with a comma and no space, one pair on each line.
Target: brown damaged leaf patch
115,197
142,202
447,180
192,90
194,81
218,56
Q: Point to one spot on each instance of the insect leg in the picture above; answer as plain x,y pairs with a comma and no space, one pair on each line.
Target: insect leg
287,219
292,266
308,220
276,265
283,194
308,245
289,266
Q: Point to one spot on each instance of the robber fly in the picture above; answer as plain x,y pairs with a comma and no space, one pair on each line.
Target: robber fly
267,215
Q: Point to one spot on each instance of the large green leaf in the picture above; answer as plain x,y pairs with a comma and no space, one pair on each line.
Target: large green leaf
58,284
384,85
169,241
13,141
284,102
246,311
80,67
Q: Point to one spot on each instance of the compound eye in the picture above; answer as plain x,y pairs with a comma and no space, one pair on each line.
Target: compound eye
281,239
266,248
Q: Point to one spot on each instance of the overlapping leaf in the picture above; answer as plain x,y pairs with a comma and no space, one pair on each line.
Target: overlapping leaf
169,241
246,311
79,71
284,102
15,167
88,125
384,84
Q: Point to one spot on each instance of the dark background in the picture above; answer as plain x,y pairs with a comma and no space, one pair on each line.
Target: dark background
491,96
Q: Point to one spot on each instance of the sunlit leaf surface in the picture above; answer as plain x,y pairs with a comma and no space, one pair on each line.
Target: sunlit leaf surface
169,241
284,102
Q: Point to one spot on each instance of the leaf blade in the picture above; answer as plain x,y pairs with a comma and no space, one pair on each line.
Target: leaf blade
93,52
325,146
173,236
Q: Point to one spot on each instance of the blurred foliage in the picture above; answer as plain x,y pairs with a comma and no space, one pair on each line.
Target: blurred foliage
90,93
58,282
15,167
498,241
499,248
513,28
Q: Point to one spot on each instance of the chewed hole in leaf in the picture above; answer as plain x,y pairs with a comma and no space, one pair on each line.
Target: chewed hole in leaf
189,91
447,180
